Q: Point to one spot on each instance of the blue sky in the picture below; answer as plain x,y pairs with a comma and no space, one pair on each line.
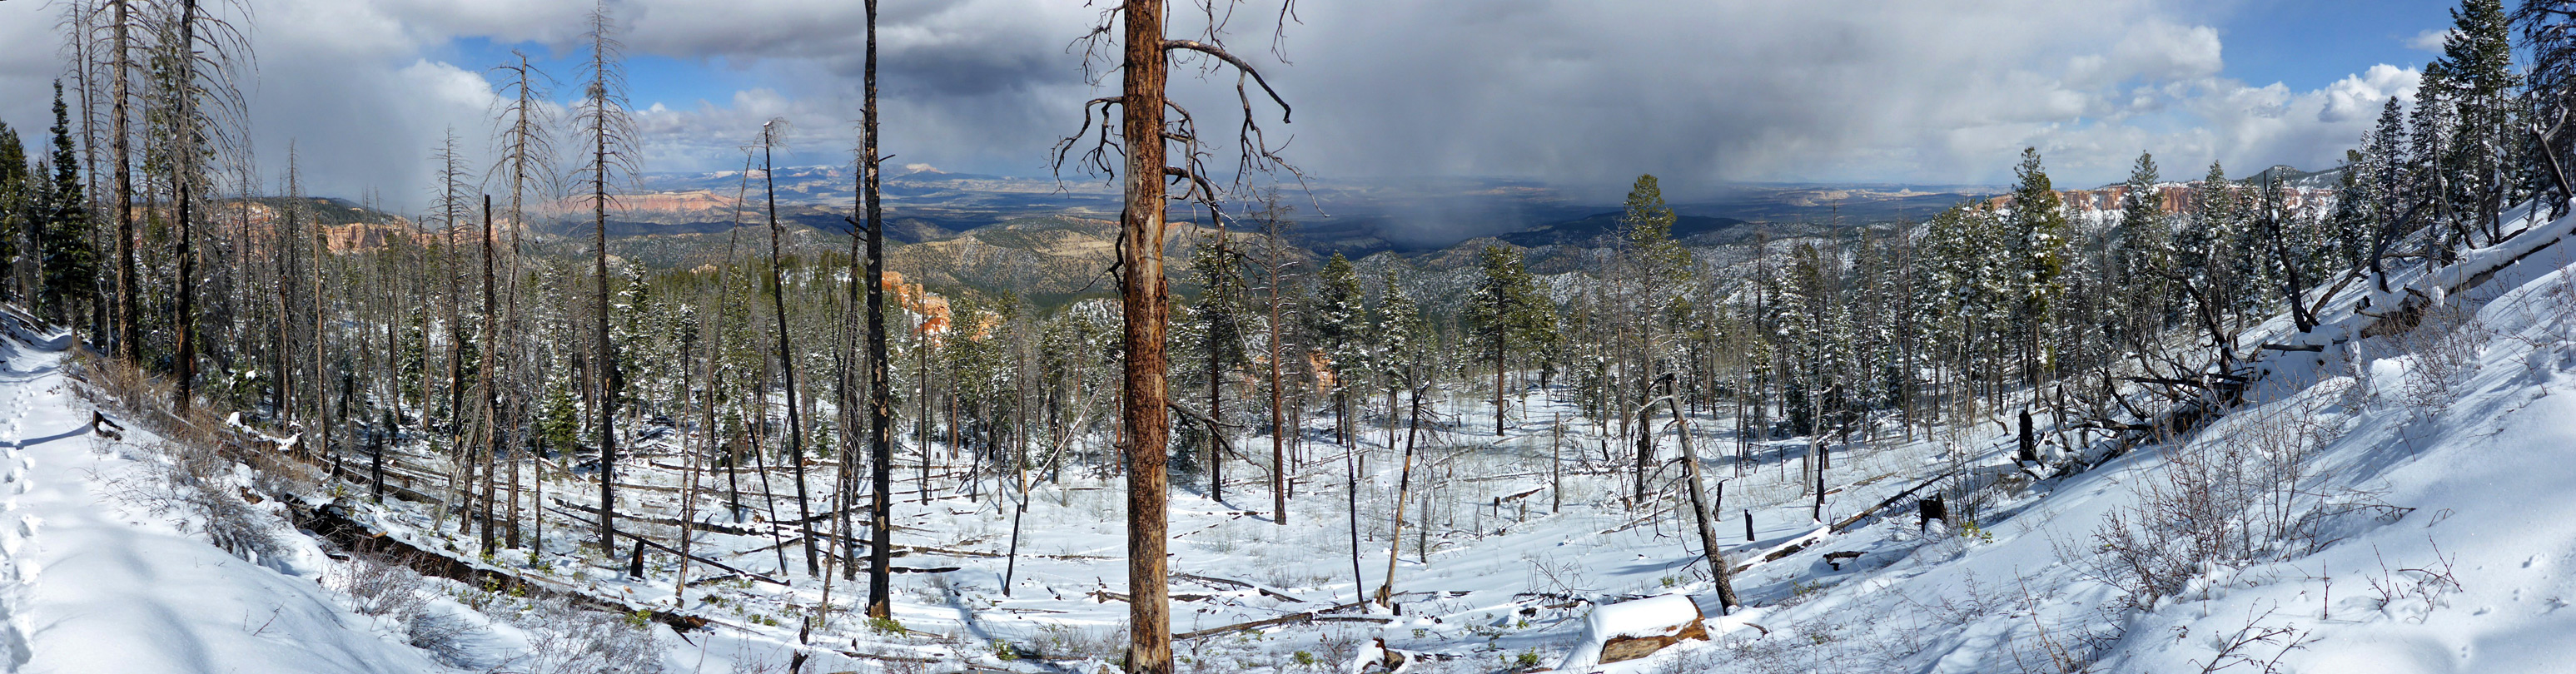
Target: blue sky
650,78
2308,44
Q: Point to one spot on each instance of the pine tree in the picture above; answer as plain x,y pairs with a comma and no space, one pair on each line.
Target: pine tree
1508,311
1219,317
20,201
2144,250
1402,334
1339,323
2477,58
2432,125
2383,177
2043,237
2548,30
67,265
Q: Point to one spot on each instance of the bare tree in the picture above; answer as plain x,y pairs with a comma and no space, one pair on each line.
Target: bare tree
1145,138
524,147
880,384
1275,263
121,133
604,122
201,60
1718,571
786,356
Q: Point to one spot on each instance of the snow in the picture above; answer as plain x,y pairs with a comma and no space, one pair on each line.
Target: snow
1660,616
2445,544
2440,541
94,584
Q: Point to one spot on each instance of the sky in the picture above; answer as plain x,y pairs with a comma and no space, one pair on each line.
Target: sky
1584,94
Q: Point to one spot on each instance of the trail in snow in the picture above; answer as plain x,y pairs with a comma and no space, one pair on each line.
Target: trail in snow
95,585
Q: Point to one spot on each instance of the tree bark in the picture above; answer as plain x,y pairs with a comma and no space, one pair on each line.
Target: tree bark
122,147
1143,303
491,397
606,362
1403,489
880,402
183,177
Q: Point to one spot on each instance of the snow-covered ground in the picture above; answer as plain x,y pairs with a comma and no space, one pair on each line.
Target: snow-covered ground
2392,503
2402,505
96,581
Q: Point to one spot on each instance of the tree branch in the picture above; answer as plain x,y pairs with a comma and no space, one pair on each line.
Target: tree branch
1239,64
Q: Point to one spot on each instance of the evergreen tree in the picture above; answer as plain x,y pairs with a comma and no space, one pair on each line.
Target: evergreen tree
2548,30
1647,224
67,265
1340,326
1508,311
2351,225
1403,335
2477,58
1218,319
2144,250
2383,176
2431,127
2200,247
2042,237
20,198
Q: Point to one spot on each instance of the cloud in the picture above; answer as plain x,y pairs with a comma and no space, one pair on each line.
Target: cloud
2430,40
1572,93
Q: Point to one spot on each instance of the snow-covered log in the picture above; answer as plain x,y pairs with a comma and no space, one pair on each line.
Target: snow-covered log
1634,629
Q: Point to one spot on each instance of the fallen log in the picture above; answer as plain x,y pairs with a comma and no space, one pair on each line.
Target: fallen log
1229,582
333,524
1847,522
1281,620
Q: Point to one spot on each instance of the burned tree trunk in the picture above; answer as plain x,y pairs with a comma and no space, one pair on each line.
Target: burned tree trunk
1144,304
880,401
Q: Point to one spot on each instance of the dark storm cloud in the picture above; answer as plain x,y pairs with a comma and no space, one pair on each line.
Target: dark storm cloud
1575,93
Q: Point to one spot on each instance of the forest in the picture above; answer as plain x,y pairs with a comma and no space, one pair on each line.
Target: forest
491,381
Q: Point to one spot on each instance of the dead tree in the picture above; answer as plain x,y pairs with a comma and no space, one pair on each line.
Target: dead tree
491,399
523,149
1403,489
1718,570
121,134
1145,137
880,383
1275,263
604,120
786,356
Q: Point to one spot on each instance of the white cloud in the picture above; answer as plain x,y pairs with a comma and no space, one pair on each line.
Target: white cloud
1695,91
2430,40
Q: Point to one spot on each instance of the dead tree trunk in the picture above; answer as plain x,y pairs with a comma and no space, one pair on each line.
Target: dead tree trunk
183,177
787,356
1144,305
491,397
1718,570
1403,488
122,129
880,402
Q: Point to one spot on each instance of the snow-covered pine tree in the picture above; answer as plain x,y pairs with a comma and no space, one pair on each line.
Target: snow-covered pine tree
1339,323
2143,249
2477,56
1508,314
2042,238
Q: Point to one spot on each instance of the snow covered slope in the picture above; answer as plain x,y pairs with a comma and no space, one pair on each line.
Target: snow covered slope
2391,503
98,583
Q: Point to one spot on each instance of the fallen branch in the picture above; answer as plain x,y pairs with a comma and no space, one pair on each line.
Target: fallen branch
1281,620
